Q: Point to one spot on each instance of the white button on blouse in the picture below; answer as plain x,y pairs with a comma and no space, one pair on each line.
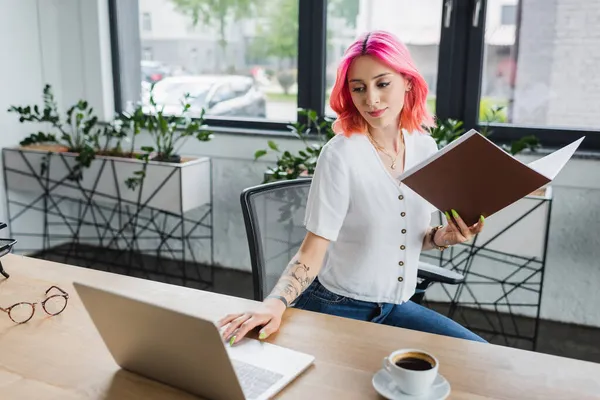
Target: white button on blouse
375,224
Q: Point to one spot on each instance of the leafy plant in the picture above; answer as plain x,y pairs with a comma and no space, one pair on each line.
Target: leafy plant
76,132
527,142
166,130
446,131
133,123
80,132
493,109
449,130
497,114
292,166
108,138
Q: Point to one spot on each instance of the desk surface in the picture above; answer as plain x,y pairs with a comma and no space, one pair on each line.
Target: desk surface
64,357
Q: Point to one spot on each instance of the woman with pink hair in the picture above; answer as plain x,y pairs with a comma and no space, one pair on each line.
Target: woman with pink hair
365,229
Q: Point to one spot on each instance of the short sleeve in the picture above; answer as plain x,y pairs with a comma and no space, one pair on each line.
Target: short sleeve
329,195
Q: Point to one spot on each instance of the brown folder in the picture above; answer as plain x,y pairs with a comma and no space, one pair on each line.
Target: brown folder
474,176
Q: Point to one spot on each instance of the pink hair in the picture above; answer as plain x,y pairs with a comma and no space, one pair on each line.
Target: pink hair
388,49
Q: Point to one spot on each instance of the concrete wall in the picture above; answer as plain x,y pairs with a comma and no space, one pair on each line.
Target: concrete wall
558,80
65,43
22,77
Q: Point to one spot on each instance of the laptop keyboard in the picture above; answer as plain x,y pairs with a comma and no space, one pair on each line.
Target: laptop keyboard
254,380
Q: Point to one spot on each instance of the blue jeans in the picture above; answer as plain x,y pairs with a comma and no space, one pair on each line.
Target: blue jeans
407,315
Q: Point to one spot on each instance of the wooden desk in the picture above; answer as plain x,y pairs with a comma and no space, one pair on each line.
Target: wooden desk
64,357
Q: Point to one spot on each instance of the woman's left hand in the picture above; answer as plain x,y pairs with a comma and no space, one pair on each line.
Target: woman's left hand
457,231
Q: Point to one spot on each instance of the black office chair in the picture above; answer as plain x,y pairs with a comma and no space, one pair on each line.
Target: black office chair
6,246
274,217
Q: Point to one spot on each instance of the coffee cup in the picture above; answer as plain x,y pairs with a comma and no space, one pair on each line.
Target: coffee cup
412,370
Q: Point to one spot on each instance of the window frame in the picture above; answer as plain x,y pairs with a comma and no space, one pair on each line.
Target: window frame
311,62
460,69
147,22
507,9
472,63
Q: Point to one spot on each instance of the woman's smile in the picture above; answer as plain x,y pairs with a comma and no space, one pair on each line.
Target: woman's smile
377,113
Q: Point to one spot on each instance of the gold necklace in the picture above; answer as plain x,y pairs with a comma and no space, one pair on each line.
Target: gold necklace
384,151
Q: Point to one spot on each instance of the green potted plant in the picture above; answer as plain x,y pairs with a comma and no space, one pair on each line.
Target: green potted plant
79,141
446,131
295,165
166,131
78,132
75,133
302,163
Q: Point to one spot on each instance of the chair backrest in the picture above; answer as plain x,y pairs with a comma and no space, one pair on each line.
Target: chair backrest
274,219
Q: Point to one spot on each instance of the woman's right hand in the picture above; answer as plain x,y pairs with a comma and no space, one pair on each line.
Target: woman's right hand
296,277
267,315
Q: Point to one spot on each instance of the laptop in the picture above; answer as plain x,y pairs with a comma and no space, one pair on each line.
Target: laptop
186,351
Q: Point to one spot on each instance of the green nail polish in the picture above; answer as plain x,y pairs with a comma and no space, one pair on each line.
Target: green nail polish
262,335
481,218
454,213
447,215
231,340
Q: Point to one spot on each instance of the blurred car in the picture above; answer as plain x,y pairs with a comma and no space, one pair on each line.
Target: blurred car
218,95
154,71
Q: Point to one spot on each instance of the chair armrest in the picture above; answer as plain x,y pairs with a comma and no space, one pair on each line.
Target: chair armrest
434,273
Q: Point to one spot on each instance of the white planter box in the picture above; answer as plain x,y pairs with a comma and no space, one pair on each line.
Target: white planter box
175,188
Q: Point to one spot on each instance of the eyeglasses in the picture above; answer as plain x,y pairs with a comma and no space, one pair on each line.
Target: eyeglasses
52,305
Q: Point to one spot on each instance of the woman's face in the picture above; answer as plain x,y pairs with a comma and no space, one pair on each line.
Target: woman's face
377,91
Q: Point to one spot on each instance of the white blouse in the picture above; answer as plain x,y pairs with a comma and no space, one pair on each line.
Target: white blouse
375,223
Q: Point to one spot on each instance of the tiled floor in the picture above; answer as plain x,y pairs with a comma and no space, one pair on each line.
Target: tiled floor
554,338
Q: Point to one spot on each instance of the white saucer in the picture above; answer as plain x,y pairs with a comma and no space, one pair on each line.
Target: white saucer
382,381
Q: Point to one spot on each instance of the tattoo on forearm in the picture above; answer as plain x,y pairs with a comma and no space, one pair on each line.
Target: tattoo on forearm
290,290
300,273
293,281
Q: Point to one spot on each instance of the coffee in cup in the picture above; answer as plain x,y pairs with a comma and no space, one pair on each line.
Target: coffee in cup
412,370
415,362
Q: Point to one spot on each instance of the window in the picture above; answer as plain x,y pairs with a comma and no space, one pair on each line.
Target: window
417,25
255,42
542,74
520,66
147,22
147,54
508,15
